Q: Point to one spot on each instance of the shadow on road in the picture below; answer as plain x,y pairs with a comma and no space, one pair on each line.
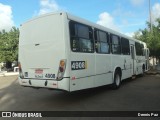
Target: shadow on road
15,97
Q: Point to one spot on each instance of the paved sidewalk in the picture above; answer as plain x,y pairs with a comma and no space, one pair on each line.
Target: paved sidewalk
5,73
153,72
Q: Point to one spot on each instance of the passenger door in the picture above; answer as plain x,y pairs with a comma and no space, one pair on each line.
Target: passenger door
133,61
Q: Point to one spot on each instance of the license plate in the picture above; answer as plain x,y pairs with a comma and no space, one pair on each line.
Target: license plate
39,76
39,71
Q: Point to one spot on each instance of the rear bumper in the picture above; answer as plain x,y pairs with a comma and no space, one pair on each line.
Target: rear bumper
50,84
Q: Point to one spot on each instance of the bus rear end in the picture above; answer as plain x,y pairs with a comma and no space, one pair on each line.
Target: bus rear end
42,56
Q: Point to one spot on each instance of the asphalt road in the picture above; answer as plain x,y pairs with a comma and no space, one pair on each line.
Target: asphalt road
141,94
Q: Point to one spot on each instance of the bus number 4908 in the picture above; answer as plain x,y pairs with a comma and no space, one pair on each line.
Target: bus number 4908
50,75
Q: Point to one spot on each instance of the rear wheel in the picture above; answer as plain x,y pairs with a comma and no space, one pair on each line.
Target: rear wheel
117,80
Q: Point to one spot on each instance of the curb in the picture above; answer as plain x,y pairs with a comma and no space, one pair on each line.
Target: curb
4,74
153,72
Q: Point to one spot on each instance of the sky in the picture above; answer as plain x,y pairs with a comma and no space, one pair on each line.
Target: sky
125,16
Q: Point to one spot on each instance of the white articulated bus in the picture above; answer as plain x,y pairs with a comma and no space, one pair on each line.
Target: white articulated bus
62,51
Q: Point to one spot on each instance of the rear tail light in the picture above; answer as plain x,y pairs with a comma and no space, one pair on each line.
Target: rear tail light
20,71
61,70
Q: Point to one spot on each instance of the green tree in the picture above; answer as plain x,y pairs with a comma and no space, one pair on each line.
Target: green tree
9,46
152,38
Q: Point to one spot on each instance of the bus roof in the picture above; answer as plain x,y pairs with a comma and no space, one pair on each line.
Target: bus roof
84,21
87,22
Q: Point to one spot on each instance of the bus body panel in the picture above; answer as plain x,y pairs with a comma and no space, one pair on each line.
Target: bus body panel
126,66
41,47
82,71
103,69
51,84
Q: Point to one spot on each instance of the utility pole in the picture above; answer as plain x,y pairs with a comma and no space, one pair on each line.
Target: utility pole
151,29
150,14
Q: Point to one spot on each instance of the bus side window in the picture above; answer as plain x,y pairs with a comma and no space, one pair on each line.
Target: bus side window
139,49
81,37
115,43
102,42
142,50
125,46
74,39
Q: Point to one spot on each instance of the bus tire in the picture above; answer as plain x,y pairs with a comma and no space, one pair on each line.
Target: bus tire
117,80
